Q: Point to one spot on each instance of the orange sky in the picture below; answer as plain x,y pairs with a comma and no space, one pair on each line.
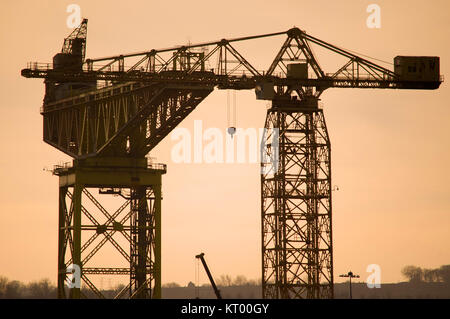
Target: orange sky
390,149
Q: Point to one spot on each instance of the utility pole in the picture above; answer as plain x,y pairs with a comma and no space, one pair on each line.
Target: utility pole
350,275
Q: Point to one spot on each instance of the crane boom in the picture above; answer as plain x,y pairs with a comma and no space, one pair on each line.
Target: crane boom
182,65
211,279
142,85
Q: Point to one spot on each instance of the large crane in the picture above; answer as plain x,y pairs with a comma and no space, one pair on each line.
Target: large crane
108,113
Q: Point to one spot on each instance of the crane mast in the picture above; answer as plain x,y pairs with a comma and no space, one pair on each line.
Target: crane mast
109,113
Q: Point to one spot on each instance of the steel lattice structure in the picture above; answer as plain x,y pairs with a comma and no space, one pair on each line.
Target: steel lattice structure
137,220
296,204
124,120
108,113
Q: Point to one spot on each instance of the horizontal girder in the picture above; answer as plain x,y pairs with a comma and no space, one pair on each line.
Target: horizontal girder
128,120
147,94
230,69
179,78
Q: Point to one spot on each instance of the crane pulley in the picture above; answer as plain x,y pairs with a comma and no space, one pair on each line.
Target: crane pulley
231,113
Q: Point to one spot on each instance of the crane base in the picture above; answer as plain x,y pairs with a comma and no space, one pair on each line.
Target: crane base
133,229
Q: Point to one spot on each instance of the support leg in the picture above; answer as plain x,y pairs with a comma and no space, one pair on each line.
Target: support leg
76,250
296,205
63,217
157,239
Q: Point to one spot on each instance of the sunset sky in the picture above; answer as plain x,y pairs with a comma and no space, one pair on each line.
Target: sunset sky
390,148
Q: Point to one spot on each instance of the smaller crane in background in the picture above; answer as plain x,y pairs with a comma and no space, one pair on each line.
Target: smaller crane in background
211,279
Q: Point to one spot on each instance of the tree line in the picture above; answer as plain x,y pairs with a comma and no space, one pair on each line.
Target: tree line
416,274
44,289
13,289
222,281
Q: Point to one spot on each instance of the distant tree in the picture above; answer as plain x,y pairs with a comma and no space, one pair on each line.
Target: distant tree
224,281
412,273
444,273
41,289
171,285
431,275
14,290
240,281
191,284
3,284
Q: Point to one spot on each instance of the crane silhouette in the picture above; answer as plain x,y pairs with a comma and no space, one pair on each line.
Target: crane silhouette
109,113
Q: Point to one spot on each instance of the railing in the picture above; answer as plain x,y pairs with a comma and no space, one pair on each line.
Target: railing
359,77
39,66
231,74
61,167
157,166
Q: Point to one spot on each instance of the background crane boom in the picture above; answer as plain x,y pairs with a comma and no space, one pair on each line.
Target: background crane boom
210,277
